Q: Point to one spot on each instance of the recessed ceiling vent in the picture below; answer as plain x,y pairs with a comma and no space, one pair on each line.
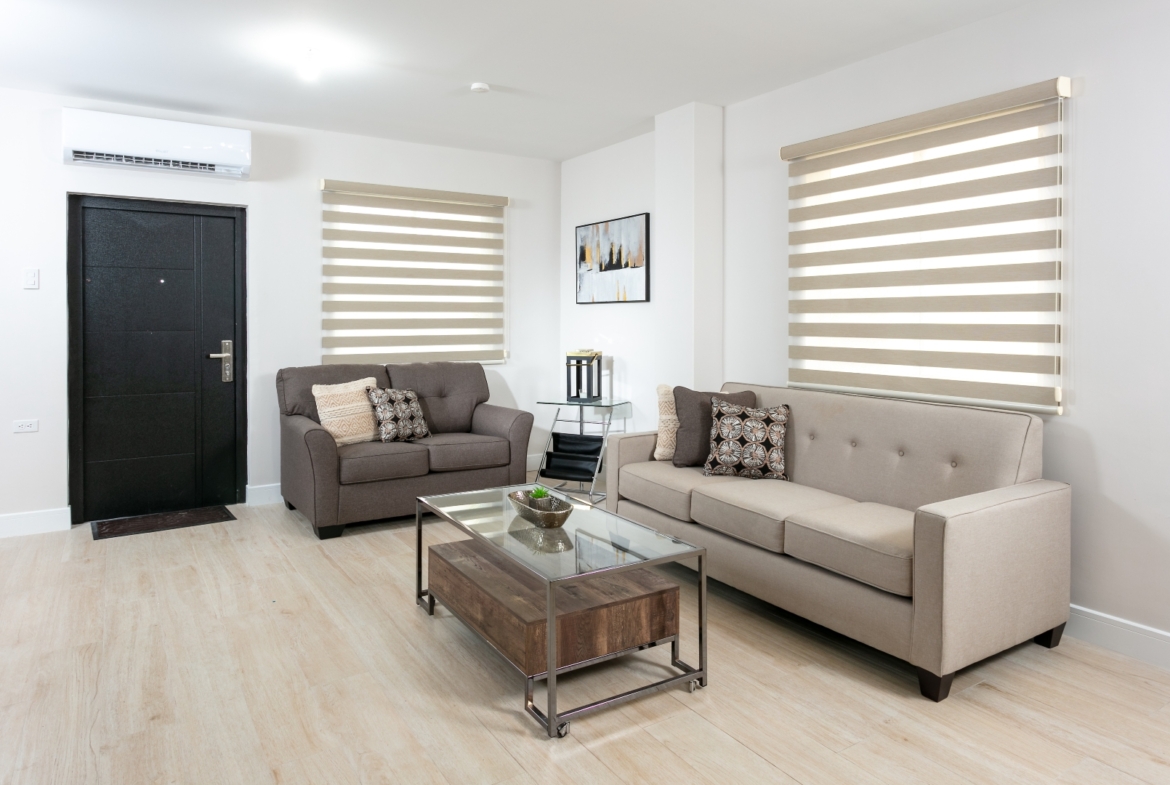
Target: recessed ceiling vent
103,139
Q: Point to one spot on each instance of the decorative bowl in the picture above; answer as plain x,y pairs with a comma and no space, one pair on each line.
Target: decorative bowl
547,513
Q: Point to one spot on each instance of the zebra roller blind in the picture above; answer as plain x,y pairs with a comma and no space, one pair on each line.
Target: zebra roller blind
925,254
411,275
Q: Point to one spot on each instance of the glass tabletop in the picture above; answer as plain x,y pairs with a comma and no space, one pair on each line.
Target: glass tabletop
590,541
600,403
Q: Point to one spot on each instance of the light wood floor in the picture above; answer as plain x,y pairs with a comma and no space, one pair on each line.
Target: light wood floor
249,652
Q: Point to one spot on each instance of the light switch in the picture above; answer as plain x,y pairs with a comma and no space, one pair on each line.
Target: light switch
32,278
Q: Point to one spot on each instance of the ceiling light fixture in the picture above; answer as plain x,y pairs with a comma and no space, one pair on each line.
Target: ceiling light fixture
312,53
480,87
310,67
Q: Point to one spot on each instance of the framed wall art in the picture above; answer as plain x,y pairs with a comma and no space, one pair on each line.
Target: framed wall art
613,261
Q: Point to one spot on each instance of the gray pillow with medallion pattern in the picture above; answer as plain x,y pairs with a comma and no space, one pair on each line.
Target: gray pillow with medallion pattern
399,415
747,442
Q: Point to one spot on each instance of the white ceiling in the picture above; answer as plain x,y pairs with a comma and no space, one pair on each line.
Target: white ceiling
567,77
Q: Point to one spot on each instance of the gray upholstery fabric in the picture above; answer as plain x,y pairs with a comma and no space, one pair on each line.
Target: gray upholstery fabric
511,424
309,469
452,452
666,487
754,510
372,501
373,461
902,453
868,542
294,386
874,617
448,392
694,422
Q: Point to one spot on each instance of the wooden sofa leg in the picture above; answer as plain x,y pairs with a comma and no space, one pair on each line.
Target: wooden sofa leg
288,505
937,688
328,532
1050,639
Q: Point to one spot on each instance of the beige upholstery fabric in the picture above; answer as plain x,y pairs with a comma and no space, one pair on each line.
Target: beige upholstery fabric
876,618
346,411
902,453
459,451
667,424
990,570
373,461
623,449
666,487
869,542
754,510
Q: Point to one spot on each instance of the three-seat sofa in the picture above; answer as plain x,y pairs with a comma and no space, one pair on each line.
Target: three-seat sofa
923,530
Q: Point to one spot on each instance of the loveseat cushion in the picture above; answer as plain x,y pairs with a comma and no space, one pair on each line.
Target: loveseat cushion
374,461
871,543
754,511
453,452
665,487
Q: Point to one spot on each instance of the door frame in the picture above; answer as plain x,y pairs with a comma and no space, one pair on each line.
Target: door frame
75,292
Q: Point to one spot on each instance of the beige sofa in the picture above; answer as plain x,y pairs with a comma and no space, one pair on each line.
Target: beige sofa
923,530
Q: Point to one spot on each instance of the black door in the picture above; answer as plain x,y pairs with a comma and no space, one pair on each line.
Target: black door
156,424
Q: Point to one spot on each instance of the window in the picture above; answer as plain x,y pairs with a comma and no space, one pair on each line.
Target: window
411,275
925,254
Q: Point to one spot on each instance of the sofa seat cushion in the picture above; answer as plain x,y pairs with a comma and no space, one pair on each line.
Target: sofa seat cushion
871,543
454,452
755,510
665,487
374,461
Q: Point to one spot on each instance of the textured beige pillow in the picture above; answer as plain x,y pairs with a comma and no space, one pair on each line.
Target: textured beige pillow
346,412
667,424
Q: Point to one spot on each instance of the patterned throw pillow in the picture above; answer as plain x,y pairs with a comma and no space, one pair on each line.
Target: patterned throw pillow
345,411
667,424
399,416
747,442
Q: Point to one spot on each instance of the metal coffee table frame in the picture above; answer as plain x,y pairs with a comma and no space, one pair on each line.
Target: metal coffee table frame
556,723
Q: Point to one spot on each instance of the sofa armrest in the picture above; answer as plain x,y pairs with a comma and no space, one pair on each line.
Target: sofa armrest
511,424
309,476
990,570
620,449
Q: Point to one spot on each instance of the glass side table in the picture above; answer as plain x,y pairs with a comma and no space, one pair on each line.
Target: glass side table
577,457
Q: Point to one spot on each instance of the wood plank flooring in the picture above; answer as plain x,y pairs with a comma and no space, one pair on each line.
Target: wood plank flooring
249,652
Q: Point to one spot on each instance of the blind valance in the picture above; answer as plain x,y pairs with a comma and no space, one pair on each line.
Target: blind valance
411,274
925,254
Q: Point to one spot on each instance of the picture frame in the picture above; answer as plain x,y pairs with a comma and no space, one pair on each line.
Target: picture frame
611,260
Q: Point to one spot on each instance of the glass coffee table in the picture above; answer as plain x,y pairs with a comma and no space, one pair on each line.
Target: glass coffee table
589,581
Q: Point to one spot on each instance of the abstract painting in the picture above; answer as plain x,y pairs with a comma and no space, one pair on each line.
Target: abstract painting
613,261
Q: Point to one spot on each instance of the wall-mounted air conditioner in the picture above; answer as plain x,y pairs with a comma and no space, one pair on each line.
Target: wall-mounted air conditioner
103,139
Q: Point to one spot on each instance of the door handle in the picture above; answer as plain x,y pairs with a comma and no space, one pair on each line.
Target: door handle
225,357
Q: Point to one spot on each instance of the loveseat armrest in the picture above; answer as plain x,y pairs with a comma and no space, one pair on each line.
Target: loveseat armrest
620,449
991,570
511,424
309,476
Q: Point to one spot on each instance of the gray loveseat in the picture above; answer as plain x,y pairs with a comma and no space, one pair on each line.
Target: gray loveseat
473,445
922,530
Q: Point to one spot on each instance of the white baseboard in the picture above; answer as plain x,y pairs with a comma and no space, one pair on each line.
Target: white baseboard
263,494
1148,644
534,461
17,524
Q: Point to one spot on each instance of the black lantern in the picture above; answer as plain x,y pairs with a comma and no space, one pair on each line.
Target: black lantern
583,376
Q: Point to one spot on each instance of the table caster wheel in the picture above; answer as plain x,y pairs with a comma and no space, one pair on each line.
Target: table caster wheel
693,685
562,730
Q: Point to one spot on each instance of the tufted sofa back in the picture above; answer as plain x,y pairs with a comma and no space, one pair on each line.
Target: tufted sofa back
902,453
448,392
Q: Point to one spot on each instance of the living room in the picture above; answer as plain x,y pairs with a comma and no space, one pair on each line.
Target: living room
285,642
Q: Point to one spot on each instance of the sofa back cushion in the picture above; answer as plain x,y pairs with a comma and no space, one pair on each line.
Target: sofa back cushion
294,386
902,453
448,392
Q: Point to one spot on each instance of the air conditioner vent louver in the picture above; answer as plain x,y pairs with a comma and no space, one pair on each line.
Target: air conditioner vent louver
137,160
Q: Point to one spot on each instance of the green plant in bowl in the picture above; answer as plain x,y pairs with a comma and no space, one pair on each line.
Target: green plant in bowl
538,493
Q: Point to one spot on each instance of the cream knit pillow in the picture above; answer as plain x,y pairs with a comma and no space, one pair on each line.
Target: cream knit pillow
667,424
346,412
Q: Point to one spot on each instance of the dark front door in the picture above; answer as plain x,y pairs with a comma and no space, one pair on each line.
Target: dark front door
156,423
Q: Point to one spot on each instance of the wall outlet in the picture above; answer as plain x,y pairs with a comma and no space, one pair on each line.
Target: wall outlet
25,426
32,278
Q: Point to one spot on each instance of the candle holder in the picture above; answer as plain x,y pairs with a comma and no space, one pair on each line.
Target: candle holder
583,376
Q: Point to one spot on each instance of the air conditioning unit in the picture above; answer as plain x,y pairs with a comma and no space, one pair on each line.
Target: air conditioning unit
104,139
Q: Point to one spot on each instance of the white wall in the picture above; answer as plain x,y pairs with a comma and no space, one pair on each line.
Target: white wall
284,273
1110,442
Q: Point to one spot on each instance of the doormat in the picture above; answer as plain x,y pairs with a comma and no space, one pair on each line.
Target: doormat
159,521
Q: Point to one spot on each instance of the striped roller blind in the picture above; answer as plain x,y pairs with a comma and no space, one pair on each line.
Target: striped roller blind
925,254
411,275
